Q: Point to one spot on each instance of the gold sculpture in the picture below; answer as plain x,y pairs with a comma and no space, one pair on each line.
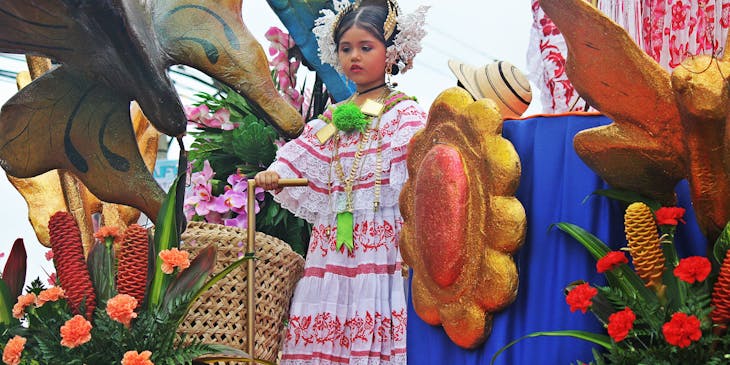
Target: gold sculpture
666,127
58,190
462,221
76,116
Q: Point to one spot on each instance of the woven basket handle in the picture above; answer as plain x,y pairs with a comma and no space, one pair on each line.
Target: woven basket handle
250,248
293,182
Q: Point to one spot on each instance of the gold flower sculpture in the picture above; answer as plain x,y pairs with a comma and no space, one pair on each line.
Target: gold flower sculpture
666,127
76,117
462,221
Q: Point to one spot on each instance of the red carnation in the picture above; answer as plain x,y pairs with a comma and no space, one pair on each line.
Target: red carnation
580,297
620,324
682,330
611,261
691,269
669,216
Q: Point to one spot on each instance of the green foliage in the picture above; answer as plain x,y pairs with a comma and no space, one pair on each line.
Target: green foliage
100,263
155,327
248,148
653,307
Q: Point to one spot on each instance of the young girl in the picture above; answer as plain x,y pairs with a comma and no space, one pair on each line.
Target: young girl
349,308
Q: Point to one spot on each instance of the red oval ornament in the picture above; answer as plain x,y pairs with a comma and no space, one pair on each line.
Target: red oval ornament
440,213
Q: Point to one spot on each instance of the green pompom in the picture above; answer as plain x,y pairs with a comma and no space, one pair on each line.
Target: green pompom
348,117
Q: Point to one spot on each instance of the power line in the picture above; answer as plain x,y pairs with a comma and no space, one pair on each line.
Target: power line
461,42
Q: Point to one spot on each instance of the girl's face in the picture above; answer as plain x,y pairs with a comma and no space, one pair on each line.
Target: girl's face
362,57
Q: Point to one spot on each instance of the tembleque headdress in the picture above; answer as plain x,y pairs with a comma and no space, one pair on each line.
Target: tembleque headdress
405,47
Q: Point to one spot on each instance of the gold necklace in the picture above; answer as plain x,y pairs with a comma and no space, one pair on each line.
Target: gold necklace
345,222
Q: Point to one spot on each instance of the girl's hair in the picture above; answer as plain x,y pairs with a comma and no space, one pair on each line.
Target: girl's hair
371,18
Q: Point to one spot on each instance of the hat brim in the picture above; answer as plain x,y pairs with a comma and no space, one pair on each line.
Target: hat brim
466,75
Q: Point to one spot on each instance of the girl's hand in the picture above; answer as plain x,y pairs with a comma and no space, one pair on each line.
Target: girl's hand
268,180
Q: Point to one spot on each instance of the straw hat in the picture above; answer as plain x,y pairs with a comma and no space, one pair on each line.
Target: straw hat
500,81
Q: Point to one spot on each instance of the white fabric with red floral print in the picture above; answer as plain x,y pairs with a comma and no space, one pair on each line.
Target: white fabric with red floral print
349,308
668,30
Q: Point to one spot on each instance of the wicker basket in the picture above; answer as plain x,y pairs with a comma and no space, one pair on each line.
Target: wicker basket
219,315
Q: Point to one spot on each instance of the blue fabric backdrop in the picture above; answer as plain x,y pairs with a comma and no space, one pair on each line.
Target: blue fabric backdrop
553,188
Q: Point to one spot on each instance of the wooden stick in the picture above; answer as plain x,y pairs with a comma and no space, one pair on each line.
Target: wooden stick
250,252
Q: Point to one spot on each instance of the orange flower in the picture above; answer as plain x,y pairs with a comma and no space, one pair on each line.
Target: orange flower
23,302
121,308
75,332
51,294
108,231
13,350
135,358
174,258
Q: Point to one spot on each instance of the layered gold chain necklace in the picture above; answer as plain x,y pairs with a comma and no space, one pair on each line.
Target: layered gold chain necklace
345,221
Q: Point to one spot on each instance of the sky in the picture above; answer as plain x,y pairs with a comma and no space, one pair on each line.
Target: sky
476,32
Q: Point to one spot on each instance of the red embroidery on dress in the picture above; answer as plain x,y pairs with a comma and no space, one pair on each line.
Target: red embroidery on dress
325,328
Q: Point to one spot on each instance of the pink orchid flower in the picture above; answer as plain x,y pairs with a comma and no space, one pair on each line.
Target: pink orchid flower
240,221
204,176
220,119
205,201
194,113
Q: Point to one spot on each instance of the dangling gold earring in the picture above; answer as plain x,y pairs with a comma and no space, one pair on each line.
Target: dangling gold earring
388,75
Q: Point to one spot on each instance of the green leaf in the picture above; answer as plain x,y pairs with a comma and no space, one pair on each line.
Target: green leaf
101,269
192,279
7,301
627,196
722,244
15,268
601,340
623,277
214,280
254,143
167,236
229,354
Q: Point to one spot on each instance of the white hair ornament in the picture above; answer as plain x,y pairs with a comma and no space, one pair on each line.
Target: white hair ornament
405,47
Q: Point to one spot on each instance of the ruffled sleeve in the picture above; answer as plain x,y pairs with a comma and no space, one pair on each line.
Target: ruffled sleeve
409,118
303,157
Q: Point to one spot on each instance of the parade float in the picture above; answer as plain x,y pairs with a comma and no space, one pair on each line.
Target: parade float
534,198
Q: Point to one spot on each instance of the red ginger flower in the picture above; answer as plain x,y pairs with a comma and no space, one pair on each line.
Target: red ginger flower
68,253
620,324
75,332
132,268
580,297
23,302
612,260
121,308
173,258
682,330
721,294
669,216
136,358
51,294
14,350
694,268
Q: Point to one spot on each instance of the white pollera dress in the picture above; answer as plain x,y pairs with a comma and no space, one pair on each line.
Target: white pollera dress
349,307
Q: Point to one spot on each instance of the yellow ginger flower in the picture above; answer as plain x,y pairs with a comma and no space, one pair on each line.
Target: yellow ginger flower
644,245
